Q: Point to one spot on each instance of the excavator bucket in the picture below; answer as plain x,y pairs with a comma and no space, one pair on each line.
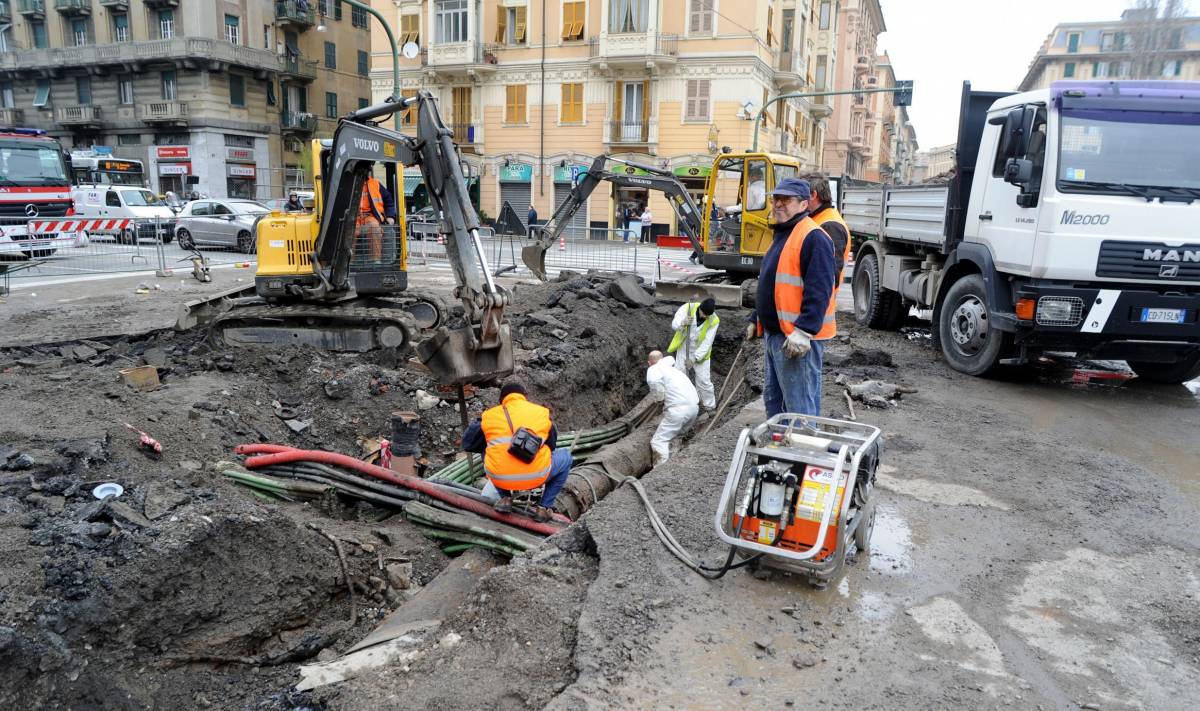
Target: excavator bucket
685,291
454,359
534,257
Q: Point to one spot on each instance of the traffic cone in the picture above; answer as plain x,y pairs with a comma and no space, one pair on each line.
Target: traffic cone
562,243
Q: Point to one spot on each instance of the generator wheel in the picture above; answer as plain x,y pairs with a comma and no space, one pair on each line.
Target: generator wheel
862,533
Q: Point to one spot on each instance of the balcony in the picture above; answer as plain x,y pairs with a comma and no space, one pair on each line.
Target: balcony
186,51
12,117
297,68
73,7
468,136
5,11
631,133
787,72
116,4
79,115
161,4
297,122
858,141
32,9
459,59
862,64
640,49
164,112
291,14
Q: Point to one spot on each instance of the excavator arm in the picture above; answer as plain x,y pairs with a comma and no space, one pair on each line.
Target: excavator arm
690,218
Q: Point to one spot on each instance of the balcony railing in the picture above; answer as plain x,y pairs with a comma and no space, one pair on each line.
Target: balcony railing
78,115
637,132
788,62
174,49
73,7
298,121
163,112
116,4
12,117
634,47
5,11
298,67
162,3
296,12
32,8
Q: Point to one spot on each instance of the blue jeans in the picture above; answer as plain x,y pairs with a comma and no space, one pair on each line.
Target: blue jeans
792,384
560,465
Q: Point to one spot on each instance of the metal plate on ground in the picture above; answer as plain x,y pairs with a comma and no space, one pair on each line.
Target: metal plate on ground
684,291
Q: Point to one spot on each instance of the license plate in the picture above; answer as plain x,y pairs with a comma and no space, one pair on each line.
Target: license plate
1163,315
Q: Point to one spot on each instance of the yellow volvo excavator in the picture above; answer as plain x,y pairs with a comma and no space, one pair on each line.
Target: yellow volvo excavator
334,280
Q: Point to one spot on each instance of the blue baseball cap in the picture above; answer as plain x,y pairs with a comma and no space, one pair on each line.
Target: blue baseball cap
793,187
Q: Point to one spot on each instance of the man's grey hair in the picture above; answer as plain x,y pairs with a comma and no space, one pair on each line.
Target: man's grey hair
820,187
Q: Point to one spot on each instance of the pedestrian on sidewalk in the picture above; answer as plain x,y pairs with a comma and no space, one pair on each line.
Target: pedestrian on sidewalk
647,220
498,436
680,403
695,327
794,306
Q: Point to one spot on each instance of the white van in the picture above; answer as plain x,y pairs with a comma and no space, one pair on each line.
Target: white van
153,218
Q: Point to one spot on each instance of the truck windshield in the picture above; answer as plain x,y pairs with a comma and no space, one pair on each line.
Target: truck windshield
31,165
1129,151
141,198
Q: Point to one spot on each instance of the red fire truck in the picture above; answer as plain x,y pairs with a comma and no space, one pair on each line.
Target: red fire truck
35,194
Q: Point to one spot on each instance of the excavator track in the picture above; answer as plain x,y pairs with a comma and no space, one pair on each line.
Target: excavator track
336,327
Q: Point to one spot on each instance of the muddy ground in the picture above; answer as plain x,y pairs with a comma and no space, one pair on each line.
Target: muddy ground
1035,546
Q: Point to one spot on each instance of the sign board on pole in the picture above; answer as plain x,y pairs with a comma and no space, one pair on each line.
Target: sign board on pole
903,95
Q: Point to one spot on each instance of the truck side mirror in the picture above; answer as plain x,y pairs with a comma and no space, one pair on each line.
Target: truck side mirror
1018,171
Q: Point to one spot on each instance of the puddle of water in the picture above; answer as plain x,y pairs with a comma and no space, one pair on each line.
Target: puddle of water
891,543
1193,387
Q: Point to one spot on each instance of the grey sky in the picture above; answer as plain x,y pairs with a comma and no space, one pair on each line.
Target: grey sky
940,43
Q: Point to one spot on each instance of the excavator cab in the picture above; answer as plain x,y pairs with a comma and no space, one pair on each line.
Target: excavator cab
737,244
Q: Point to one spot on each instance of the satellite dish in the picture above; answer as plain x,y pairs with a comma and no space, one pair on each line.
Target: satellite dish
410,50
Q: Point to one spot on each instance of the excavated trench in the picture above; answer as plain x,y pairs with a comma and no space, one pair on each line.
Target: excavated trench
187,591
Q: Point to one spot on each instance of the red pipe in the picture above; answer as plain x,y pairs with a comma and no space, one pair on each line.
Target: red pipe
262,448
286,456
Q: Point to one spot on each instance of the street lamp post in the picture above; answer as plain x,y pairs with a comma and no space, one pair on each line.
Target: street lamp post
387,29
762,112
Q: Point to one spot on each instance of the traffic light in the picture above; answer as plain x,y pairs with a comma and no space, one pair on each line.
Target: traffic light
903,95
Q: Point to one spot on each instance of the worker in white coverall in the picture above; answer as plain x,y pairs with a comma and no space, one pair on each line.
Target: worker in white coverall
681,404
695,326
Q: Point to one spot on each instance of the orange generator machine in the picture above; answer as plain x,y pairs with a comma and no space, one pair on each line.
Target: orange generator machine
805,490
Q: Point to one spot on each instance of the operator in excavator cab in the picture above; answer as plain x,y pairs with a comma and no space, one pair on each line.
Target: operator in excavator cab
375,209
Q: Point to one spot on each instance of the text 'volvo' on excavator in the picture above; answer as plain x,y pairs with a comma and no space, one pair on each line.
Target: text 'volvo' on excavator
337,278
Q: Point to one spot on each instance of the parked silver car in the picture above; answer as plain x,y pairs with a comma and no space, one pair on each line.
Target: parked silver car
220,223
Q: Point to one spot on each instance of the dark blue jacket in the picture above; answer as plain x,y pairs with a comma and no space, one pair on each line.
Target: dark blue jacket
818,268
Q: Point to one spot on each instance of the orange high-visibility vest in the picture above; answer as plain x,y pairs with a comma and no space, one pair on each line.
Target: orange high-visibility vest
503,469
831,214
370,205
789,284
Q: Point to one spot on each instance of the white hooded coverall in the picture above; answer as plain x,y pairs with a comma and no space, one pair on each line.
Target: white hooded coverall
700,351
680,405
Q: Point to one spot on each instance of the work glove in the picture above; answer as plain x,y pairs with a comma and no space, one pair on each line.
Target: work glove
797,344
689,362
751,330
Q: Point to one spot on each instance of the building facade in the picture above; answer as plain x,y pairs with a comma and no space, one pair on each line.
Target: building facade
535,90
216,97
1137,46
933,163
855,28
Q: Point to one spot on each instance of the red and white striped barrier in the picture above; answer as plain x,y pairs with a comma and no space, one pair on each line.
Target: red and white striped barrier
679,268
51,226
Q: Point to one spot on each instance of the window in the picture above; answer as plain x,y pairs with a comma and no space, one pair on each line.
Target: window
450,21
330,55
785,36
824,16
129,139
1112,41
756,185
111,199
364,63
237,90
511,25
120,28
573,14
770,25
337,9
168,85
323,8
358,17
166,24
700,16
83,89
201,209
1069,70
266,36
514,103
363,103
697,104
461,104
408,116
41,97
572,103
125,89
1172,68
6,95
331,105
628,15
233,29
1073,42
37,32
270,87
820,77
79,32
233,139
1175,39
410,29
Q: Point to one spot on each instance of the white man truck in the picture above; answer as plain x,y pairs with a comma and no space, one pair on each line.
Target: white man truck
1069,225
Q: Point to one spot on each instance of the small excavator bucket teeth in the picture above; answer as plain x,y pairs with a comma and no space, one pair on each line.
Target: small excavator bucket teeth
535,258
452,360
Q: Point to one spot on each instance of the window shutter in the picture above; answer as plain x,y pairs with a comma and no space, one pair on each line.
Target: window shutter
618,107
521,24
645,109
702,99
568,19
501,24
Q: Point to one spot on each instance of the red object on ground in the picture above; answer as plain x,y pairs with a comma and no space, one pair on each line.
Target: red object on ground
145,441
287,455
674,241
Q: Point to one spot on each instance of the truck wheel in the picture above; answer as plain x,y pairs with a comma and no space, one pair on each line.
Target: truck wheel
969,342
1167,373
874,306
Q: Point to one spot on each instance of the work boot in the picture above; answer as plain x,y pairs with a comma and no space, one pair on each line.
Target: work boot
504,505
542,514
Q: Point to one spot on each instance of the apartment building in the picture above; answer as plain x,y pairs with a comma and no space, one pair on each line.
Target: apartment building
535,90
1137,46
890,139
214,97
933,163
856,26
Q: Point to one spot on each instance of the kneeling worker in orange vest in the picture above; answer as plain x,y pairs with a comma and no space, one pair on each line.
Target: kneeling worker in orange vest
517,440
375,208
794,306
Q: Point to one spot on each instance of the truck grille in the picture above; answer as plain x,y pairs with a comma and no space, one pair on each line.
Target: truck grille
45,209
1148,260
